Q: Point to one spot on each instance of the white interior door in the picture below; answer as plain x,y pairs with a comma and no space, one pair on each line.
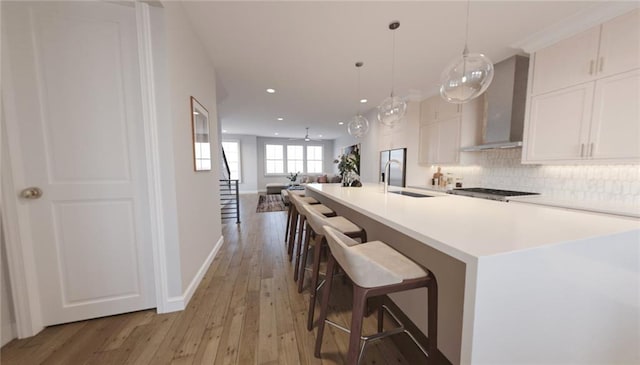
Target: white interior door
75,89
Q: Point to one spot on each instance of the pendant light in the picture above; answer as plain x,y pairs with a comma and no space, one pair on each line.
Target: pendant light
468,76
358,126
392,109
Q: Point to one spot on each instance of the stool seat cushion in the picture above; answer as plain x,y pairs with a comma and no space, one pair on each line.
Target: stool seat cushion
321,208
371,264
343,225
309,200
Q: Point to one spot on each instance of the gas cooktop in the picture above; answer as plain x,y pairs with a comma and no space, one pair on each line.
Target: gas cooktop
493,194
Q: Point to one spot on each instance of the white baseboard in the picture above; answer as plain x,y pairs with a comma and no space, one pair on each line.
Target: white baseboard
178,303
174,304
191,289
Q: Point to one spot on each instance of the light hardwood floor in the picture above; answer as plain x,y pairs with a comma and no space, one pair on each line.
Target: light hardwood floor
246,311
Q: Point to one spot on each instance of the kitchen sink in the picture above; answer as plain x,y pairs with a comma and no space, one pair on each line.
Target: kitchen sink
409,193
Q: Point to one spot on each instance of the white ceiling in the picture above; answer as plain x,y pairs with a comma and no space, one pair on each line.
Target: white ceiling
307,51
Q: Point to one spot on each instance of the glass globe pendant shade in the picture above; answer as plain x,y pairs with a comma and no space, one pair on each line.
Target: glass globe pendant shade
466,78
358,126
391,111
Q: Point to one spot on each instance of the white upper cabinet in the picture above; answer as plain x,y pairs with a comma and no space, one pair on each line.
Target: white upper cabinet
559,124
566,63
578,117
436,108
615,127
620,45
445,127
608,49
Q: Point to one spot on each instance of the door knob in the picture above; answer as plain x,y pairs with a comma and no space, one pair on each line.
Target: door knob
31,193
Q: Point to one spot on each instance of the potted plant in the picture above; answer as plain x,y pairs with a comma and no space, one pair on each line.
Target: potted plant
349,168
293,177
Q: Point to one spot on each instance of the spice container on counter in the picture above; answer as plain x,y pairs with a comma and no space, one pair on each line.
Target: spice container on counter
449,181
437,178
458,182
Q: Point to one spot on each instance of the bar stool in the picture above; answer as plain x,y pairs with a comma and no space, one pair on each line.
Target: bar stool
301,218
375,269
299,193
317,223
292,220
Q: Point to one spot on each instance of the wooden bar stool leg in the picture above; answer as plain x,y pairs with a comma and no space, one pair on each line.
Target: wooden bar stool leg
303,248
292,226
305,255
432,327
380,315
324,305
315,273
286,231
357,315
301,226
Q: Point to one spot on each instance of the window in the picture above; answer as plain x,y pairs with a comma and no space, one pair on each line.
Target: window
274,158
232,153
282,159
295,159
314,159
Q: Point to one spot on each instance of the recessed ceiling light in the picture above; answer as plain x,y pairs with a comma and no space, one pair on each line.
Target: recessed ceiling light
363,101
224,131
340,123
276,133
196,113
271,91
280,118
320,135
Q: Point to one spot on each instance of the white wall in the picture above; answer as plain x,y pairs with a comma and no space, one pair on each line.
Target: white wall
7,314
262,141
165,137
369,149
381,137
191,73
248,161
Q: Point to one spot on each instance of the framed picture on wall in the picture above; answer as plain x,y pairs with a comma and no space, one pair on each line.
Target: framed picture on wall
201,136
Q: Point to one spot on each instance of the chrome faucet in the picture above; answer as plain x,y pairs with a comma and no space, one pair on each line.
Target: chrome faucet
387,171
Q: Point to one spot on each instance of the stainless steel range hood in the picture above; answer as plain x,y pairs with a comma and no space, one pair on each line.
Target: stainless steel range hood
505,103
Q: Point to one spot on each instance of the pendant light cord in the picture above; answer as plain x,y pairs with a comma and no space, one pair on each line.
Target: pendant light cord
393,62
358,66
466,32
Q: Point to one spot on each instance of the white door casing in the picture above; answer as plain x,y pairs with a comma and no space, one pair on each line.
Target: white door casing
76,93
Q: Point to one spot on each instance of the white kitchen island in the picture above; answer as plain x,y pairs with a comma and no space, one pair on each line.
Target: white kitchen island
518,284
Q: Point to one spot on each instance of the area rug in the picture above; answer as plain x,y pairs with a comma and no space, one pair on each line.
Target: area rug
270,203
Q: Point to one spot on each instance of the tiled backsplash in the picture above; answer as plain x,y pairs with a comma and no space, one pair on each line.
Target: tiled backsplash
501,169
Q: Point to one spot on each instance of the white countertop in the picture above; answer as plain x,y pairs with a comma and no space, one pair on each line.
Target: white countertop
471,228
627,210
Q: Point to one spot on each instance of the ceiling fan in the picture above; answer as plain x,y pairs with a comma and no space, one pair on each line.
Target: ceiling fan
306,137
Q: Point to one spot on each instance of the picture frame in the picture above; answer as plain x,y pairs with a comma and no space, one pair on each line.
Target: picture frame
201,136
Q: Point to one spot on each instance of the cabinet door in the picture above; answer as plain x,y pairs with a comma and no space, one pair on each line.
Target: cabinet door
615,129
449,141
620,45
446,109
428,110
566,63
558,125
428,147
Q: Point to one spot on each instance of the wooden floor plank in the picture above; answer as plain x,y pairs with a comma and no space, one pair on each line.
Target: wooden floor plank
246,310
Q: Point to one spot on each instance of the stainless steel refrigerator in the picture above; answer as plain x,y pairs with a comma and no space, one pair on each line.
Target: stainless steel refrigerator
397,173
